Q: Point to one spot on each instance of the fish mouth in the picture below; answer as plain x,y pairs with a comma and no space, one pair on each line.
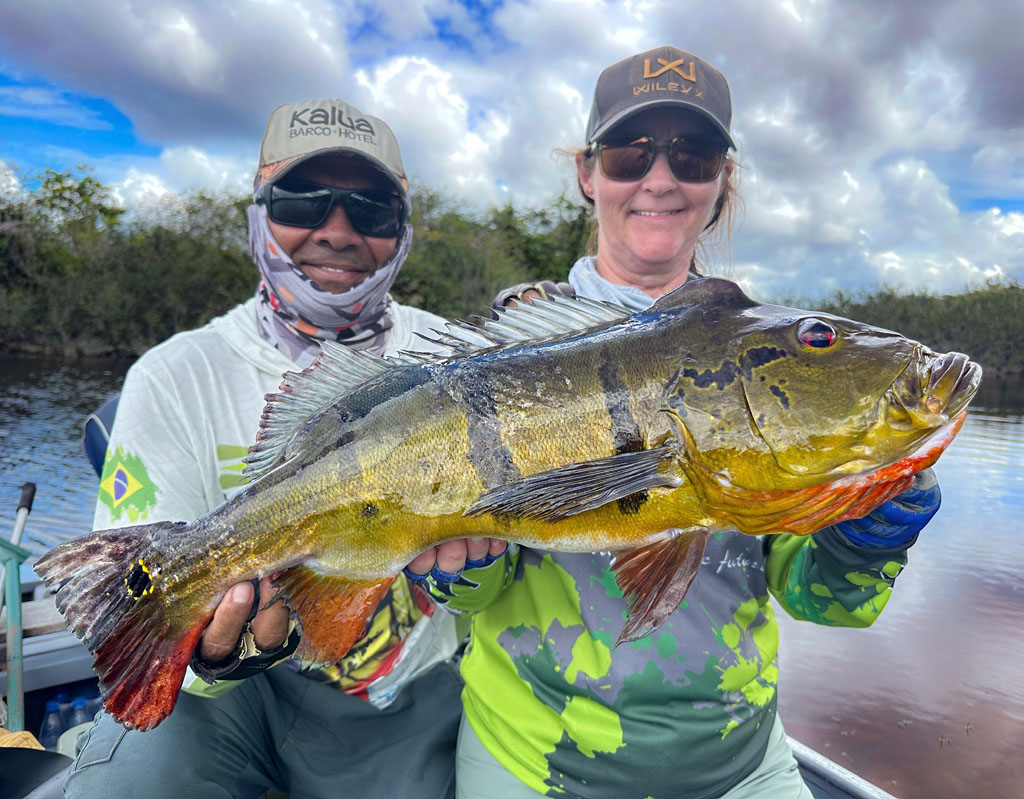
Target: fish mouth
931,390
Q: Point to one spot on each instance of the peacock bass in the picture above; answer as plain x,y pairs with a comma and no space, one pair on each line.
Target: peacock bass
567,425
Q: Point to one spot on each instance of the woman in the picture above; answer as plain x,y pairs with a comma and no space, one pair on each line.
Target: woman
689,711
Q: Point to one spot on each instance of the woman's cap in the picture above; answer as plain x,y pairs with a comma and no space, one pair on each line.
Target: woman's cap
664,76
299,131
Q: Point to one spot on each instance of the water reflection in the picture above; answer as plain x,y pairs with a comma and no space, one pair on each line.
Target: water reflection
43,404
930,702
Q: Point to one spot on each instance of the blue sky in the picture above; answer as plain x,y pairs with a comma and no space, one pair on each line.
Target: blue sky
881,142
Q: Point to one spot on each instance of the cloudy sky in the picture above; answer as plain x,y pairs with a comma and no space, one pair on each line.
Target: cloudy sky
881,141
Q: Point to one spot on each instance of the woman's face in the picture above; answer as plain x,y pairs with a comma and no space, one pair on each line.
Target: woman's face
648,228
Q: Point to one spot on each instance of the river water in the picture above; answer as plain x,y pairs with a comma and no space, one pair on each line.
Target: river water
928,703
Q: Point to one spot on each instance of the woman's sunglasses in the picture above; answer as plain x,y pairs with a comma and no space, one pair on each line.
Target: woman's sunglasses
692,159
296,203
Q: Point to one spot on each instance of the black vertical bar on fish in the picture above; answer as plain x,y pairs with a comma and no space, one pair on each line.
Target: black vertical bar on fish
625,429
467,384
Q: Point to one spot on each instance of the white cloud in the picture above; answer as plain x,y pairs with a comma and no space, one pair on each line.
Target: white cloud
9,182
48,105
178,170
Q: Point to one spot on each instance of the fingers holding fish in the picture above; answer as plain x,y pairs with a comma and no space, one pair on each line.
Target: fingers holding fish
269,626
220,638
444,562
420,566
482,552
447,560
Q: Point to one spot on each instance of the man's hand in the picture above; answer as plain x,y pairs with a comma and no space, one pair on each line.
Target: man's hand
446,561
269,627
510,297
896,522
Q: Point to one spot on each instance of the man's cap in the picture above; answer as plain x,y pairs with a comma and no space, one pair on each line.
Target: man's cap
299,131
664,76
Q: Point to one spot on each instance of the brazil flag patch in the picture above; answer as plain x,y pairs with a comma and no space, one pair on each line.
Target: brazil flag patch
125,486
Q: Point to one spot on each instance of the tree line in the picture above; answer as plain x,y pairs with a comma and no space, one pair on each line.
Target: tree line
79,275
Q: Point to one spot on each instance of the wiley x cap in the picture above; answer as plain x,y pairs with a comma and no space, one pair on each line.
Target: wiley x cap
299,131
664,76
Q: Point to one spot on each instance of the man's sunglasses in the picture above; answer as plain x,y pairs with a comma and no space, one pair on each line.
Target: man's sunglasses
691,158
298,203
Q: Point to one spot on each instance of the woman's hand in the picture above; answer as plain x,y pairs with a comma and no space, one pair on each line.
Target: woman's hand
446,561
898,521
269,627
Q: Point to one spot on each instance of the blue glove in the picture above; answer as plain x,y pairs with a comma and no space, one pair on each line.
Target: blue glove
439,575
897,521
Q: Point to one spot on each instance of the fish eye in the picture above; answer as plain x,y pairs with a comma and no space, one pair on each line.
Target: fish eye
816,333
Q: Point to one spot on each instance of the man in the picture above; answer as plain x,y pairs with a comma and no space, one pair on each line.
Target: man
329,230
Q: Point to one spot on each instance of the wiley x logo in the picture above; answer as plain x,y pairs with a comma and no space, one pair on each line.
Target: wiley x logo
666,66
320,116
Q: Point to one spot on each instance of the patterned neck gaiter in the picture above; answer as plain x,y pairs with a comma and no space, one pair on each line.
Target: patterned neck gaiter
294,315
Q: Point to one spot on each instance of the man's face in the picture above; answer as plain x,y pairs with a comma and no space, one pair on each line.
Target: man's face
335,256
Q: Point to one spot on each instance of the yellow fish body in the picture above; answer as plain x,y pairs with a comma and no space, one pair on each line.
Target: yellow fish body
567,425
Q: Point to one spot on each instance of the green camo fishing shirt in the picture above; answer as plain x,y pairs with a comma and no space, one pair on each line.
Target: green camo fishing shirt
683,712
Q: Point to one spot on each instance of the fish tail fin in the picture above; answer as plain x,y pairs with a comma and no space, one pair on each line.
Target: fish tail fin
333,611
655,578
109,596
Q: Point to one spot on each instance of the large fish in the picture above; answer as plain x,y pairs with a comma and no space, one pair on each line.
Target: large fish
564,425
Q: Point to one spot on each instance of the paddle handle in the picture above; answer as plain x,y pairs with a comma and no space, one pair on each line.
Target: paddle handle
28,493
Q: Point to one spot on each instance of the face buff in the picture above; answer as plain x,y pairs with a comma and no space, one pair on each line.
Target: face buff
294,315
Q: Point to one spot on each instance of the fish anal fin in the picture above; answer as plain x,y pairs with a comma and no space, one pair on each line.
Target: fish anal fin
579,487
655,578
332,611
146,675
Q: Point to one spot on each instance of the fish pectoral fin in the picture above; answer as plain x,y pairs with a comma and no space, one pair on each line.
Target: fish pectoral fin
332,611
655,579
576,488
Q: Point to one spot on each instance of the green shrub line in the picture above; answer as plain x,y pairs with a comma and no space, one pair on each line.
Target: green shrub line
79,276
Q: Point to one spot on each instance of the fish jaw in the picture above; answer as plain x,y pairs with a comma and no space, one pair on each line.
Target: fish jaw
805,510
931,389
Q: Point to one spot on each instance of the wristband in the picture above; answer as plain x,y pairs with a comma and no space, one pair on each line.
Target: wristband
240,667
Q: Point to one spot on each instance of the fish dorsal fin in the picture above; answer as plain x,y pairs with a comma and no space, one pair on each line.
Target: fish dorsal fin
538,320
336,370
704,292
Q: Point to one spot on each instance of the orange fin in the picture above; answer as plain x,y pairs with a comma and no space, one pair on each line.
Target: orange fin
655,579
333,611
141,673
